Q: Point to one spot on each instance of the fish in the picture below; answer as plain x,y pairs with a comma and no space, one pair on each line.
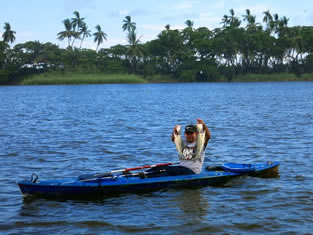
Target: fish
199,142
178,141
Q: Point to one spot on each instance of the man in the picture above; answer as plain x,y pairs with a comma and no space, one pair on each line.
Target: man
187,158
188,164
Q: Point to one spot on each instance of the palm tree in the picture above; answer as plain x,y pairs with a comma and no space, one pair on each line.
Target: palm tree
77,24
267,17
189,23
85,32
77,21
297,41
276,17
233,20
128,24
268,20
134,51
99,36
249,18
281,26
8,35
67,33
225,21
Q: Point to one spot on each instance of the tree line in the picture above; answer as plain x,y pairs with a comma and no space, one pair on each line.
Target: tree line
240,46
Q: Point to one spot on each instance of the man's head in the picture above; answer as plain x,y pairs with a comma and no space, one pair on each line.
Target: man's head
191,133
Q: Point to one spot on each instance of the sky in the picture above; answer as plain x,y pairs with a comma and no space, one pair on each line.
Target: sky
41,20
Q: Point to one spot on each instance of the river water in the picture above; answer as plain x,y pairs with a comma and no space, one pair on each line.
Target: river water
65,131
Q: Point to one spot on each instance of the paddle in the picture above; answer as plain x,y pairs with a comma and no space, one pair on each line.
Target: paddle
110,177
125,170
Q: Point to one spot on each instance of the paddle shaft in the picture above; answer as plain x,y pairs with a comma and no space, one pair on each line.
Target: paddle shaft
114,176
135,168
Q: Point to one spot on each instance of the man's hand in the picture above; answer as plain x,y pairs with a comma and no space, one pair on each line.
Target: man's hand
199,121
175,130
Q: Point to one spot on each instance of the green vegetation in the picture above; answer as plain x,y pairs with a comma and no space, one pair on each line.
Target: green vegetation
58,79
161,78
242,49
72,78
273,77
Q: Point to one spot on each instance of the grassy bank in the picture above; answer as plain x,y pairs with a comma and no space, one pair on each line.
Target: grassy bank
72,78
161,79
69,78
276,77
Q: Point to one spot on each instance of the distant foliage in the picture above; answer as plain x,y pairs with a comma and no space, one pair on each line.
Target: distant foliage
241,46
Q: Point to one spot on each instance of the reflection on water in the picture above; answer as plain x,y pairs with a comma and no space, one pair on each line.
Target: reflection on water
191,202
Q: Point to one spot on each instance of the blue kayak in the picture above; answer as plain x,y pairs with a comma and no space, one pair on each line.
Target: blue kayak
107,185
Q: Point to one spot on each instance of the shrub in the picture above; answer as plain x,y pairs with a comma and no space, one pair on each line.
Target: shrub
187,76
4,76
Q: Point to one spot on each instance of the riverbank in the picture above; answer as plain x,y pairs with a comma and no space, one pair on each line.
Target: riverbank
75,78
72,78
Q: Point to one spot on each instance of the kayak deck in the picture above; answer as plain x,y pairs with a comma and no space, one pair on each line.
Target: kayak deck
135,183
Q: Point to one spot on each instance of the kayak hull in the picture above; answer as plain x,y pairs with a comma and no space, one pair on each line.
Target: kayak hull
110,186
72,188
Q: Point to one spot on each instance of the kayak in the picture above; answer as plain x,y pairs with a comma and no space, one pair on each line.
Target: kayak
101,185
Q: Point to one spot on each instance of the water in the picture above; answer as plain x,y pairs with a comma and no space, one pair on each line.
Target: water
64,131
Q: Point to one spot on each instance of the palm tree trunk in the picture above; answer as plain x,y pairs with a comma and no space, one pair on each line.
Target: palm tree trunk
73,42
81,42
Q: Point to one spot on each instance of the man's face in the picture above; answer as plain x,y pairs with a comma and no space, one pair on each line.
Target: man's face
190,137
